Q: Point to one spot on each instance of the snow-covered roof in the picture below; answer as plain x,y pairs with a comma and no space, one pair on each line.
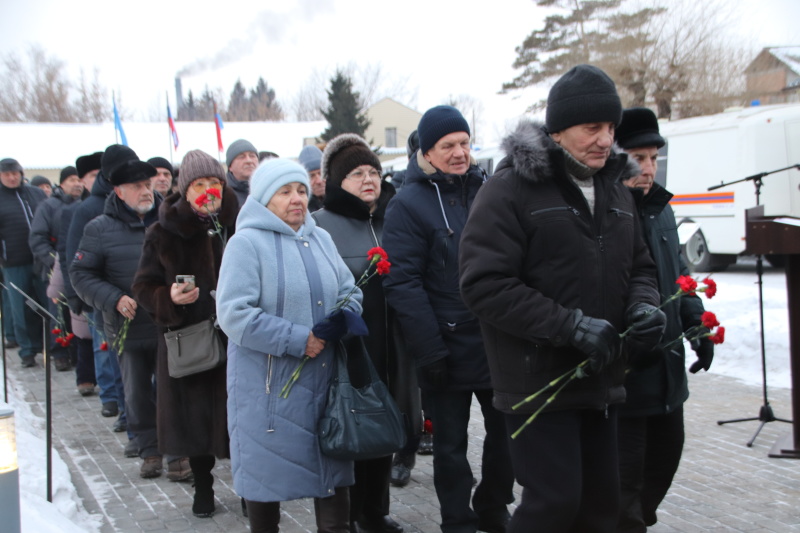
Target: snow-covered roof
790,55
50,146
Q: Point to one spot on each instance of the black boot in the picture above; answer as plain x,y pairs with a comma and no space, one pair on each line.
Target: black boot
333,512
203,506
264,516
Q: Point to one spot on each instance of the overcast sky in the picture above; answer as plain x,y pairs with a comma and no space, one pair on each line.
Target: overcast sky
440,48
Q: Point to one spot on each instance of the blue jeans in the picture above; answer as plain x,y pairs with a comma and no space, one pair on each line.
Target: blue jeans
452,475
8,318
27,324
106,369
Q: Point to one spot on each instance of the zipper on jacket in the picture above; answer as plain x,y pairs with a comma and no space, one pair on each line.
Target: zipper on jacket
372,230
269,372
620,212
562,208
600,243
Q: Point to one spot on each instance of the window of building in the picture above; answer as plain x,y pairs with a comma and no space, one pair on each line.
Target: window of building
391,137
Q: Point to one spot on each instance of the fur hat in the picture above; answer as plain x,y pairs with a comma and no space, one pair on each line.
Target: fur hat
437,122
40,180
10,165
87,163
66,172
238,147
273,174
639,128
583,95
115,156
310,157
132,171
160,162
198,164
344,153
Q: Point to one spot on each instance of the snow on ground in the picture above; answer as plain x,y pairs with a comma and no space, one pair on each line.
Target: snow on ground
736,307
66,513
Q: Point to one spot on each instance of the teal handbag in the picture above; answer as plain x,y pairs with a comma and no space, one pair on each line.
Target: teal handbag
359,422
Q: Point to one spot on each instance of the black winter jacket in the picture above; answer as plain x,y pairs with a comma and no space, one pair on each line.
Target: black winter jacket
240,188
532,252
17,208
421,235
45,230
84,212
105,264
661,388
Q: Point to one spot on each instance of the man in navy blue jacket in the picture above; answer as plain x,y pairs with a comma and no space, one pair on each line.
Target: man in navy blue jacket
421,234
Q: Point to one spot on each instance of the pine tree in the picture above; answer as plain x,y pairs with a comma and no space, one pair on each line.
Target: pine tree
344,113
263,105
238,105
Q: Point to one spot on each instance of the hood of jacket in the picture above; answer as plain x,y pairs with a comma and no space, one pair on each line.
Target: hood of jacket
101,186
341,202
177,216
256,216
535,156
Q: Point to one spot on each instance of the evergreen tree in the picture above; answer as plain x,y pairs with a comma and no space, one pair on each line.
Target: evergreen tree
238,105
344,114
263,105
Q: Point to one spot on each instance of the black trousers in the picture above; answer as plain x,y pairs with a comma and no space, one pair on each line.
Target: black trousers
138,369
566,462
452,475
650,449
369,496
332,514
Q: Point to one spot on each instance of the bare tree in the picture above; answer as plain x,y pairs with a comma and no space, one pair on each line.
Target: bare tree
472,109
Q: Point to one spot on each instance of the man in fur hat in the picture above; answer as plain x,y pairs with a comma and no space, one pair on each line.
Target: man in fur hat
554,265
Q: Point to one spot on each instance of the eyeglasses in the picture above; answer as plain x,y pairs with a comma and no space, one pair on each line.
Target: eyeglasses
360,175
200,185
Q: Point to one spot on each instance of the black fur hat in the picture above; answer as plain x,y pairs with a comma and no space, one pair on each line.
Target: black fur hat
344,153
87,163
639,128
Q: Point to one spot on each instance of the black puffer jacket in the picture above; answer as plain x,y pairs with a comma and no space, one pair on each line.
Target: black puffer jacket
421,235
17,208
105,264
532,252
45,230
663,387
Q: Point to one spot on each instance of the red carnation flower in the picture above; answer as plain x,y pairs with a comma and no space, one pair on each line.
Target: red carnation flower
201,200
427,427
55,331
213,191
383,267
377,251
70,337
719,336
709,320
104,346
687,284
711,287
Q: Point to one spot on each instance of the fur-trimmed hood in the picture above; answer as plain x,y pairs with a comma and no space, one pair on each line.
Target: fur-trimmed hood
534,155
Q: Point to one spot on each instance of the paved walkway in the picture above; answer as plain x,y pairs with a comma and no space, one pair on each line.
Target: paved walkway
721,486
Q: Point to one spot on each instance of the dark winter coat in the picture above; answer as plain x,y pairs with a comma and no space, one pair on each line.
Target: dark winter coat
89,208
103,268
660,389
17,208
240,188
45,230
192,412
423,227
354,231
532,252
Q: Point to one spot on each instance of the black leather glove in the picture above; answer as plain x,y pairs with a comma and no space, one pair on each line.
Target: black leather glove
647,323
704,348
435,374
597,338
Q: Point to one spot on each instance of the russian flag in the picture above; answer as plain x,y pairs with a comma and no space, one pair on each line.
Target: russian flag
218,124
172,129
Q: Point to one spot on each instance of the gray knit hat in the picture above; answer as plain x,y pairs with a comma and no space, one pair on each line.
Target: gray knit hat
198,164
583,95
310,157
238,147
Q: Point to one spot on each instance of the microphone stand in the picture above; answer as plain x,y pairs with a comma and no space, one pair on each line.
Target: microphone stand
765,414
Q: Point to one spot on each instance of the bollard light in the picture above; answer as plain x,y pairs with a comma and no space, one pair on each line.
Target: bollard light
9,474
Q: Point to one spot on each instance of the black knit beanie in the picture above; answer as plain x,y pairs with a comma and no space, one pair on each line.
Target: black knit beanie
585,94
639,128
160,162
343,154
67,172
437,122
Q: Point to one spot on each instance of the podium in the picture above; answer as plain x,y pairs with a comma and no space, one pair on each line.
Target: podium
781,236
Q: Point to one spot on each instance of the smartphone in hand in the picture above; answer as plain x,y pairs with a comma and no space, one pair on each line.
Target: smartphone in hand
186,278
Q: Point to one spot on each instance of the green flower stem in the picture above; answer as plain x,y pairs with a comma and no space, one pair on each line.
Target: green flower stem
547,402
287,388
547,387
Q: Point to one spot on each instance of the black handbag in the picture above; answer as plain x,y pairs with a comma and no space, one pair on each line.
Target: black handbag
359,423
194,349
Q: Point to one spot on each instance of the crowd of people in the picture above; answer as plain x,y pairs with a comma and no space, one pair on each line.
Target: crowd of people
498,285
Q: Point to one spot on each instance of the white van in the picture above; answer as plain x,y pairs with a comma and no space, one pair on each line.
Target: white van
706,151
